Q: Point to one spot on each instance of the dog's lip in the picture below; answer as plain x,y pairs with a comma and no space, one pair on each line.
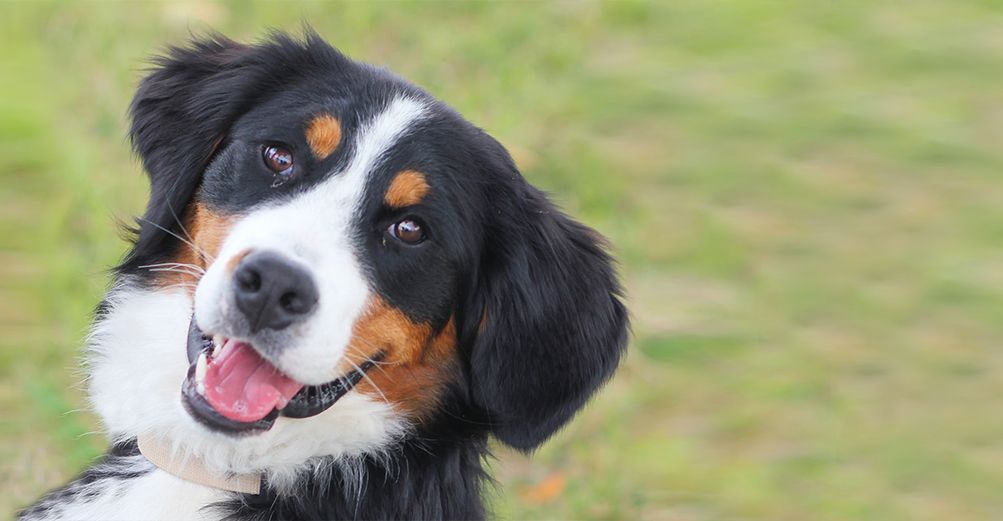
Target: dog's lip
309,401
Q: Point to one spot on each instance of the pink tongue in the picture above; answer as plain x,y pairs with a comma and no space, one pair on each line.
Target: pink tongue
244,387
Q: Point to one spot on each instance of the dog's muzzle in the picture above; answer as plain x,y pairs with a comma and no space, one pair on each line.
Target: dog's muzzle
232,389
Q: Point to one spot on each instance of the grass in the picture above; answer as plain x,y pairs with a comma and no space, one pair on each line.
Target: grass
805,198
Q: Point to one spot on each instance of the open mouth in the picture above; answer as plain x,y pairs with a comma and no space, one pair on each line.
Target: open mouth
233,389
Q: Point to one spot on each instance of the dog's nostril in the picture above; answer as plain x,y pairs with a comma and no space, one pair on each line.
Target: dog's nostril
292,303
248,280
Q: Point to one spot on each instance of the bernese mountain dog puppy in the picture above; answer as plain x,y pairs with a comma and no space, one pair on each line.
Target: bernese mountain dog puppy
339,290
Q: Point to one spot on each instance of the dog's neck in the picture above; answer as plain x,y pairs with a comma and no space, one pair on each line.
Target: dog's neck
417,480
193,469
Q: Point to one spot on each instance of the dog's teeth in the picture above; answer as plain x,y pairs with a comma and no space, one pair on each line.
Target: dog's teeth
201,365
217,344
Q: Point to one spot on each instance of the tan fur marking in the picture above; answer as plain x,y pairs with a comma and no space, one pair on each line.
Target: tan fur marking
484,321
416,364
235,260
323,134
408,188
206,230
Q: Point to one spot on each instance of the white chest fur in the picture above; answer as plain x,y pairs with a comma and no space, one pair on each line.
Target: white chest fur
155,495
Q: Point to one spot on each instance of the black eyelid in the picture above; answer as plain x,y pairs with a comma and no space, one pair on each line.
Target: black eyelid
415,218
278,144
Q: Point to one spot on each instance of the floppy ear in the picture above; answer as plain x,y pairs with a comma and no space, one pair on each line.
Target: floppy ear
550,324
180,115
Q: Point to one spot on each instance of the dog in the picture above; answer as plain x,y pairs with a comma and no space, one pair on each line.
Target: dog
340,289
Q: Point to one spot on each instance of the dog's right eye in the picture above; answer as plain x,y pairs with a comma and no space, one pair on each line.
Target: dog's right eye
277,159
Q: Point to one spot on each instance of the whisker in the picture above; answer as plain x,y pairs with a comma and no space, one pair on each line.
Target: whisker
373,347
359,351
175,268
185,285
191,240
194,274
174,264
410,371
378,364
180,224
367,359
202,253
368,379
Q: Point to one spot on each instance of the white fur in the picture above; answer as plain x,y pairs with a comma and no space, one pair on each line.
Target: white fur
154,496
315,229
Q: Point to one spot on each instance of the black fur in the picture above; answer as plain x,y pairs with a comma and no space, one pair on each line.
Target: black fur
436,474
553,327
185,109
116,465
535,296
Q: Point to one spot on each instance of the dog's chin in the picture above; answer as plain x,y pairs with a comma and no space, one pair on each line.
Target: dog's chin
231,389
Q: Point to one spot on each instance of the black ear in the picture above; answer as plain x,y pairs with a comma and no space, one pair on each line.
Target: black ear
180,114
551,327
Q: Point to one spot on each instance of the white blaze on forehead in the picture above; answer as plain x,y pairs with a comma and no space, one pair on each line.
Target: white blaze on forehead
314,228
372,142
381,133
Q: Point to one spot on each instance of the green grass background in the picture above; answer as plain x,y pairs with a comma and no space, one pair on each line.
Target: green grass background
806,198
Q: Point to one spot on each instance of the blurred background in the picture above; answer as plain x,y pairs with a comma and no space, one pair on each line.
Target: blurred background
805,197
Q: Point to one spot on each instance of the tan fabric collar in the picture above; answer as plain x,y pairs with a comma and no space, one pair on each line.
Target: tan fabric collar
194,469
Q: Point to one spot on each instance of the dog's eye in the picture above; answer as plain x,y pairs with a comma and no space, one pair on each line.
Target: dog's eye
277,159
408,231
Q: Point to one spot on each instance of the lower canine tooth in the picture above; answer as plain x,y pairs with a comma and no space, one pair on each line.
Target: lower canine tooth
217,344
200,368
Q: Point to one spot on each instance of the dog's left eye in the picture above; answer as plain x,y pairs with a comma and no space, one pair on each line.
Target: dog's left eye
279,160
408,231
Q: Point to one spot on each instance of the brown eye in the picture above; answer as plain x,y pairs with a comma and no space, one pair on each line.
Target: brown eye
278,160
407,231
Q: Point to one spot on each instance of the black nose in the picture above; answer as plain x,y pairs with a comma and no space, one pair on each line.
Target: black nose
272,292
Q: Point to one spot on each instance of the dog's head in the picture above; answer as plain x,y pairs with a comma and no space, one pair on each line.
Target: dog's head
326,251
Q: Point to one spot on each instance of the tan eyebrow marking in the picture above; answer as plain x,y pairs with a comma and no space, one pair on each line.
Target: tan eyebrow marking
408,188
323,134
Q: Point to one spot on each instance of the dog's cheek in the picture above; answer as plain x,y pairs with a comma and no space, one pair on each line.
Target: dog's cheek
417,361
201,239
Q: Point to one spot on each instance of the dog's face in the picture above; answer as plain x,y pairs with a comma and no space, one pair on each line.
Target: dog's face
330,259
334,246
